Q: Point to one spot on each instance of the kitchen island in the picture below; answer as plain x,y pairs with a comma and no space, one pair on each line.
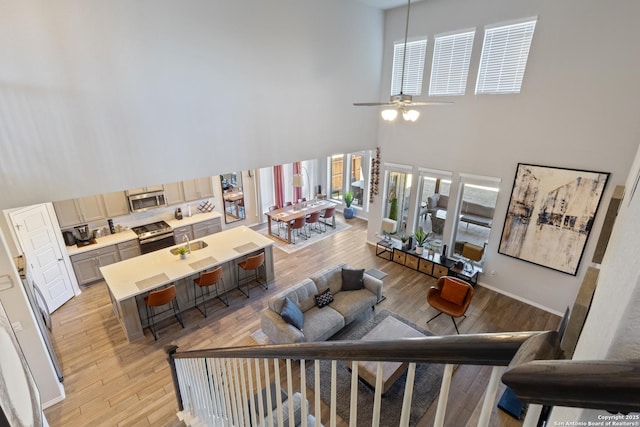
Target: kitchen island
130,280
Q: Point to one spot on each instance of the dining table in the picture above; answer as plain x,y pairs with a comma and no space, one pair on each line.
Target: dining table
287,214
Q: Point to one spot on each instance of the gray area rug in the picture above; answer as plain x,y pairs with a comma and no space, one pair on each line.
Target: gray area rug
426,385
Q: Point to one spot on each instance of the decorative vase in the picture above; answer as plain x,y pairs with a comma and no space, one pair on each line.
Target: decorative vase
183,256
348,213
419,250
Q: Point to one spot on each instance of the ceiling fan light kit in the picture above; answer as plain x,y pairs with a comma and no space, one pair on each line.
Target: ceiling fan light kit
400,103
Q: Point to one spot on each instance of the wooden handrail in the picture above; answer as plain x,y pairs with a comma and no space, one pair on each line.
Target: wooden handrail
474,349
611,385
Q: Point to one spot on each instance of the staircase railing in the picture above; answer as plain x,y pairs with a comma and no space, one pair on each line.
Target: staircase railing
220,386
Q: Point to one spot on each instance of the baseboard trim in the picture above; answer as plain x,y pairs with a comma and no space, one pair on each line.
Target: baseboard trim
521,299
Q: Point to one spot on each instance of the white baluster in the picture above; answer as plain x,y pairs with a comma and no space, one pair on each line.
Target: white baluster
444,396
303,393
332,419
318,414
408,395
290,394
533,413
353,410
490,396
377,398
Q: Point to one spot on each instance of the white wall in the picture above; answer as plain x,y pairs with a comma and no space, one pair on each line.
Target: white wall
577,109
612,329
103,96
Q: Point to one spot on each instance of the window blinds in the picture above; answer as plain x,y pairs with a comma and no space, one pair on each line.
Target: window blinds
413,69
451,57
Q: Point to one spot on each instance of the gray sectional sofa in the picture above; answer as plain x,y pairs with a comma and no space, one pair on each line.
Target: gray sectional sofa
319,324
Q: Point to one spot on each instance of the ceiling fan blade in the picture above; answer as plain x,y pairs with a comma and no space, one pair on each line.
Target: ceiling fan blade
372,104
424,103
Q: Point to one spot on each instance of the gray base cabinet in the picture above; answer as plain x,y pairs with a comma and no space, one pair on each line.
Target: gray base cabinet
87,265
206,228
129,249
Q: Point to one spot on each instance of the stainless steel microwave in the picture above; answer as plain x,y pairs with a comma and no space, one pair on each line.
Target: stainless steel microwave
146,201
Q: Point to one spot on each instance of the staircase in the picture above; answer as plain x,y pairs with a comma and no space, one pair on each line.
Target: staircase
219,387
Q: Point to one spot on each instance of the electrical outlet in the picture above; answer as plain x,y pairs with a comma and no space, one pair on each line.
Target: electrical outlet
17,326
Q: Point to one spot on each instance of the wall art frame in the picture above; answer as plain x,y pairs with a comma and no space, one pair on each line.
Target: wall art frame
550,215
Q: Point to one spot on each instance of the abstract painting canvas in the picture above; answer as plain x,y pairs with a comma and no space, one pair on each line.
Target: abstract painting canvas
550,215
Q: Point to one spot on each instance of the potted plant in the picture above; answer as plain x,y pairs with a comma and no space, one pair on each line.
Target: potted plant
348,211
406,242
421,238
182,250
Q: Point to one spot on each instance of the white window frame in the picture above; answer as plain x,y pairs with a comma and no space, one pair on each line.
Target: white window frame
413,70
451,59
505,51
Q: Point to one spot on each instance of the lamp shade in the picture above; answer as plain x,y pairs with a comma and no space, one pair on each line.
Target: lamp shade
389,225
411,115
297,180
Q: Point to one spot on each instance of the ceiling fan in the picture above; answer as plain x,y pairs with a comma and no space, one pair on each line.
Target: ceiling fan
401,103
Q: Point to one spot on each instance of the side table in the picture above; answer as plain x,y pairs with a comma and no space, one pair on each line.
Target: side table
384,249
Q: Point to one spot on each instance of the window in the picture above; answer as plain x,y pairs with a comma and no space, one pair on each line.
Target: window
413,68
451,57
337,176
475,216
358,181
398,187
504,57
433,204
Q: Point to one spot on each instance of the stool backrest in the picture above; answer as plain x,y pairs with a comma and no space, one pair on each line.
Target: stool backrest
161,297
210,277
254,262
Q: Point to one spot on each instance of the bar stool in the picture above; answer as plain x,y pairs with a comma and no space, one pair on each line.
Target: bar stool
207,280
251,263
158,299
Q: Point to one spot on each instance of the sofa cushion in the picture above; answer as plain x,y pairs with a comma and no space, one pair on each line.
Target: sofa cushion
453,291
324,298
330,278
321,324
352,280
292,314
301,293
353,303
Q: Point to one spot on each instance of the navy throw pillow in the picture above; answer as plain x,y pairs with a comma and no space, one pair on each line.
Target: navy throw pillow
324,298
352,280
291,313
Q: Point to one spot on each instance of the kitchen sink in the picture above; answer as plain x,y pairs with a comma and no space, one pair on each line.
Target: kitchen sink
194,246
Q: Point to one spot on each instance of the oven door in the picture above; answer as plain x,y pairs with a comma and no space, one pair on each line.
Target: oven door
156,243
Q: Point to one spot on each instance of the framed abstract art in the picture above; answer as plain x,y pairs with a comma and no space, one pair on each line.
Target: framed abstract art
550,215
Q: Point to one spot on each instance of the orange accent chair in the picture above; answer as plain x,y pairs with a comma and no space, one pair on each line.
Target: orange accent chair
450,296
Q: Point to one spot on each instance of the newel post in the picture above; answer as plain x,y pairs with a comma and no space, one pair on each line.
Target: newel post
171,350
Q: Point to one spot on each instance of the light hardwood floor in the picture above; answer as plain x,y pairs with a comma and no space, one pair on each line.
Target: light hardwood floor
114,383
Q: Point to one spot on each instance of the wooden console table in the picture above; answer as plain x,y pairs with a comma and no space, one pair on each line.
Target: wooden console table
434,265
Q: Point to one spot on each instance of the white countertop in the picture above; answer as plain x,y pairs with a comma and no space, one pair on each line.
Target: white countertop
195,218
101,242
125,235
138,275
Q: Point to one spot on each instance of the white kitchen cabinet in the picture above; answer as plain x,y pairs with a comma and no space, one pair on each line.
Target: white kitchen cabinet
180,232
115,204
173,193
129,249
204,228
80,211
87,265
195,189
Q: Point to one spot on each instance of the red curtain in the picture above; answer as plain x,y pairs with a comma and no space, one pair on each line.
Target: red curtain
297,191
278,185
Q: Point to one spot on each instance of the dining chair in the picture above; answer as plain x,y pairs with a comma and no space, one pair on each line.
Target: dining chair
313,223
207,280
297,227
326,214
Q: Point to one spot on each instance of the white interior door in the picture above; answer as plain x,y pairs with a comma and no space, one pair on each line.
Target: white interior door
36,235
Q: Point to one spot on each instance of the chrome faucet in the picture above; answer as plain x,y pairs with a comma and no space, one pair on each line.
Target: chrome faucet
188,246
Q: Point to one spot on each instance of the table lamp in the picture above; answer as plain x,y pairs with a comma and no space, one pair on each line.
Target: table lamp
388,227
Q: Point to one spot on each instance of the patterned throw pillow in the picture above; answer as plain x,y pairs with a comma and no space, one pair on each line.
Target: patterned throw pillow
325,298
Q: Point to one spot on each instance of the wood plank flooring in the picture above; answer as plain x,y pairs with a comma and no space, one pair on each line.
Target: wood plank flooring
110,382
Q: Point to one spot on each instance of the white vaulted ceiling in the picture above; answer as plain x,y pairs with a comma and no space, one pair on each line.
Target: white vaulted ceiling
386,4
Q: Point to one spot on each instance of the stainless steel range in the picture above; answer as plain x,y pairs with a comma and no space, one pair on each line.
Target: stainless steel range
154,236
